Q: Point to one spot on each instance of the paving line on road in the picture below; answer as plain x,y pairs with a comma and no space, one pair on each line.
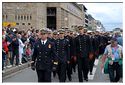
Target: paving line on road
96,62
90,77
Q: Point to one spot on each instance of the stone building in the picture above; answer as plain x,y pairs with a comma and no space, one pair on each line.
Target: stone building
92,23
42,15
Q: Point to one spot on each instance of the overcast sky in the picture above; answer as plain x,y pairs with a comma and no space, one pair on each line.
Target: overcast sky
110,14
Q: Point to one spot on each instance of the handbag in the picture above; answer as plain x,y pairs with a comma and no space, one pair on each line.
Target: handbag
106,70
120,62
106,67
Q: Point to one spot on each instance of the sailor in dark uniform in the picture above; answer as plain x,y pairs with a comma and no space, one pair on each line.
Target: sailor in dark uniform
69,66
82,53
54,40
43,57
73,52
97,40
50,34
63,54
92,52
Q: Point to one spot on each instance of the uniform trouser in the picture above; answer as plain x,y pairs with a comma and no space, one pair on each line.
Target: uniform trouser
97,53
83,68
69,71
114,68
15,53
91,64
54,70
54,73
73,65
62,71
44,75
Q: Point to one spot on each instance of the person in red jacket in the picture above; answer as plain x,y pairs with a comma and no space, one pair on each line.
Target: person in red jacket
28,52
4,51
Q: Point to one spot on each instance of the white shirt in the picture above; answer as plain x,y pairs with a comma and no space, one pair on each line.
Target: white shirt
44,41
21,46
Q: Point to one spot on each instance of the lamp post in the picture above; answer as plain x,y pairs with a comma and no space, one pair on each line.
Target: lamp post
65,20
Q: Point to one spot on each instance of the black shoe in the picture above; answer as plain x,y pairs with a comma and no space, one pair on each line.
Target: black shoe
86,79
91,73
54,74
70,79
74,71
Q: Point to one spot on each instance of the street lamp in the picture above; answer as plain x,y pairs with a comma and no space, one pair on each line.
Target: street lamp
65,20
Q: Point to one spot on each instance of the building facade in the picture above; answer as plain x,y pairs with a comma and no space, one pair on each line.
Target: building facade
85,17
92,23
100,26
42,15
95,25
24,15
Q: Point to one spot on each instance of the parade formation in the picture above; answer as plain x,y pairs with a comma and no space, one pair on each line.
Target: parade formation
62,42
62,52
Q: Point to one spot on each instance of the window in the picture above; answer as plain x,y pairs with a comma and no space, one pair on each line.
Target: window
29,23
23,23
27,17
21,17
3,17
86,21
18,17
24,17
15,17
51,11
17,23
6,17
30,17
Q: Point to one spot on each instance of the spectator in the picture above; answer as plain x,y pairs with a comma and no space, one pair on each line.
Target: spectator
15,50
28,52
24,37
120,40
113,52
8,29
9,55
21,46
4,51
32,40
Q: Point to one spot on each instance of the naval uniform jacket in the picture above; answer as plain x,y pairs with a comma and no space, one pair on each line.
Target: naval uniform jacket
44,55
63,50
82,45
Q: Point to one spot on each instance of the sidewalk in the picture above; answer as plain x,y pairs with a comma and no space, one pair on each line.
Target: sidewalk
13,70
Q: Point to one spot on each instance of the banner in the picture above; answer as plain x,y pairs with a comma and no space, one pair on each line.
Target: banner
12,24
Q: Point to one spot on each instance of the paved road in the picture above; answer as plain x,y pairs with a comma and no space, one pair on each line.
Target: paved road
28,75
